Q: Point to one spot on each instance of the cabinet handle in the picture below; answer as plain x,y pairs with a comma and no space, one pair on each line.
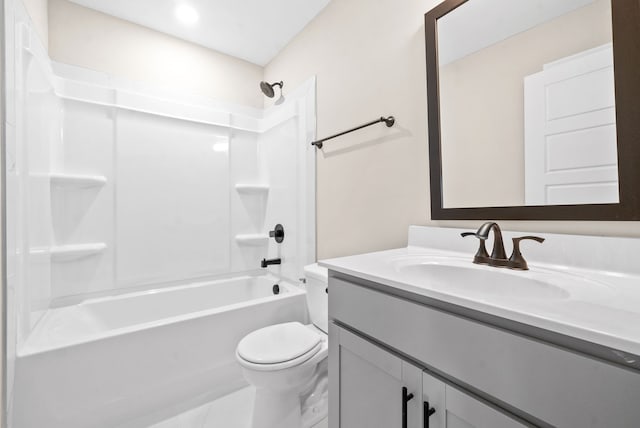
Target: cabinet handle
428,411
405,399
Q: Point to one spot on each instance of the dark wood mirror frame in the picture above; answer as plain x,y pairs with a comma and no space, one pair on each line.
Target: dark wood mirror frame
626,59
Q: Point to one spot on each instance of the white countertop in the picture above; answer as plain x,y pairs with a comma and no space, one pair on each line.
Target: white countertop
602,305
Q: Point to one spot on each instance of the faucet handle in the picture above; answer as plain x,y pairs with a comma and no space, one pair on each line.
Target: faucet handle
481,257
516,261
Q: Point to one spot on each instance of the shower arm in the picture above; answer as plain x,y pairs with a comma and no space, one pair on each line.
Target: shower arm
389,121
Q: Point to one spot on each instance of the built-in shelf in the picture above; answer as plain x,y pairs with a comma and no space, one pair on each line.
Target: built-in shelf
252,239
67,253
78,181
254,189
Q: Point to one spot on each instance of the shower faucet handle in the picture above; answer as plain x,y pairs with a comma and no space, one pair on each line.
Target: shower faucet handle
277,233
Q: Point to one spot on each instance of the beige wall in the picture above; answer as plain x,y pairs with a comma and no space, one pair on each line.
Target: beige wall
369,59
485,92
93,40
38,11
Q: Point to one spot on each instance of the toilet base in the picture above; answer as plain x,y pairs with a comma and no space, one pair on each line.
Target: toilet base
315,399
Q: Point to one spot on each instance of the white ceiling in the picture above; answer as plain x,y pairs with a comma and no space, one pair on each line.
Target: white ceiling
253,30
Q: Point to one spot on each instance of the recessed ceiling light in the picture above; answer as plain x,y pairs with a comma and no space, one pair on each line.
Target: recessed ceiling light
187,14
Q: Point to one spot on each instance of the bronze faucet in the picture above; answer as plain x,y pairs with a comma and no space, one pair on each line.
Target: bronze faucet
498,257
516,261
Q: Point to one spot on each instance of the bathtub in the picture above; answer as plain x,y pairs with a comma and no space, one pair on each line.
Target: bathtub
111,361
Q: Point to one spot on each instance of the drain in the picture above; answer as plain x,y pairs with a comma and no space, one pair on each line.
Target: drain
276,289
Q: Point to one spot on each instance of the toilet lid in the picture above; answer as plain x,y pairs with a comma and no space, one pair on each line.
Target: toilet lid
278,343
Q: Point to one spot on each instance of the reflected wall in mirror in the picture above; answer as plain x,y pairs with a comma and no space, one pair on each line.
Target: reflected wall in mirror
523,100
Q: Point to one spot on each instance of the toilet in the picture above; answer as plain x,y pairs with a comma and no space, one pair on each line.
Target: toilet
287,363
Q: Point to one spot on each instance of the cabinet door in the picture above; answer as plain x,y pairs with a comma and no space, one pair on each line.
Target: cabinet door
369,386
455,409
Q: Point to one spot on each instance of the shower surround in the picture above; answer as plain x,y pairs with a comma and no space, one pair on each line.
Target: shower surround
116,190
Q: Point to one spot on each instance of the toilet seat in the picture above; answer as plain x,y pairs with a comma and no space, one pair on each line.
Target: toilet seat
278,346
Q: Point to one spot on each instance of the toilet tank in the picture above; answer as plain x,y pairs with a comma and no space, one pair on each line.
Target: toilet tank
317,299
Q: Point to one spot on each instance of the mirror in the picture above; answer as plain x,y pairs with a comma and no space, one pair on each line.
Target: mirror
528,116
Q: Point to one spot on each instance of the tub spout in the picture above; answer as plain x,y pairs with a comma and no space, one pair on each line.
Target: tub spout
264,263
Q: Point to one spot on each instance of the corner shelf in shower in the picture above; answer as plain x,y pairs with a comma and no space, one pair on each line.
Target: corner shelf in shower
67,253
252,189
77,181
252,239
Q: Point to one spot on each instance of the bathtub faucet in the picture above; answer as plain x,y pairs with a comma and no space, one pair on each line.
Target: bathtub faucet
266,262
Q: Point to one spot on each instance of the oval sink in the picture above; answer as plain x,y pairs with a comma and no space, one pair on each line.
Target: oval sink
472,279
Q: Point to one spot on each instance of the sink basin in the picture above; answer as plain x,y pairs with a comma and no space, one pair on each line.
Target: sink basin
472,279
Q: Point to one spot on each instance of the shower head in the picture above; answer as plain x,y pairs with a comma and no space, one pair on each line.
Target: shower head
267,88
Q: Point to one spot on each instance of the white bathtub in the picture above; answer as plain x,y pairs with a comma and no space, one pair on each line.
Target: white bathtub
110,361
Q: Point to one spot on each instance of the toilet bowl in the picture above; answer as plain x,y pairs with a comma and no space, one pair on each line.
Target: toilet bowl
286,363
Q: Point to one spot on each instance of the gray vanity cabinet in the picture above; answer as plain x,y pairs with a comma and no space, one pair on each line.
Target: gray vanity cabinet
370,386
367,385
475,374
456,409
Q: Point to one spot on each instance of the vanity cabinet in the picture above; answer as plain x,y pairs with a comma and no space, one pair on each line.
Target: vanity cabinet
473,373
456,409
375,388
374,385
